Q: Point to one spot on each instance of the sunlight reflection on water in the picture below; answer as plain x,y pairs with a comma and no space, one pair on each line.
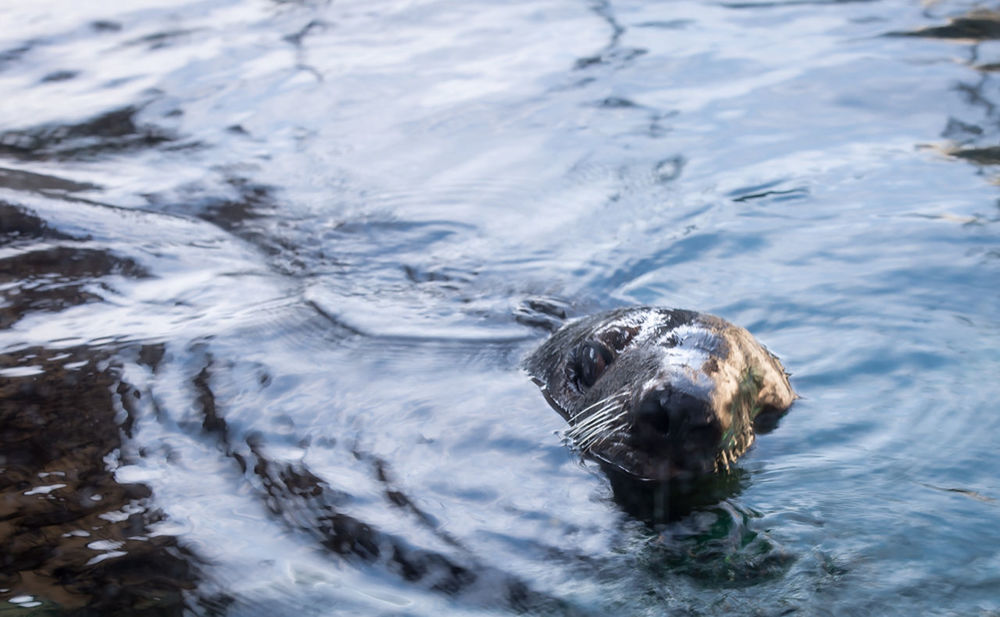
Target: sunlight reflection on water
263,261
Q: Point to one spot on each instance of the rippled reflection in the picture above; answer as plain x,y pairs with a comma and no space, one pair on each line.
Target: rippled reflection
268,270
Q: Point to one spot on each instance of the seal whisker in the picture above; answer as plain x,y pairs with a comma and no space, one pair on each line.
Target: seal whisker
606,418
585,440
595,440
584,436
601,438
586,410
599,432
597,417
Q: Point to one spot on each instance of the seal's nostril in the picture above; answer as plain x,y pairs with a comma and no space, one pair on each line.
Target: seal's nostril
671,411
653,412
687,409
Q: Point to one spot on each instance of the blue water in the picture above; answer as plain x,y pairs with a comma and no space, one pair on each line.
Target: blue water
326,216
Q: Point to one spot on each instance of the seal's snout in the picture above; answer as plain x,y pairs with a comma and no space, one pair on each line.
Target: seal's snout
670,421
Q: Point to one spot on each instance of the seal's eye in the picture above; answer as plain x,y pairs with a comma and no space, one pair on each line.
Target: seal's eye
592,358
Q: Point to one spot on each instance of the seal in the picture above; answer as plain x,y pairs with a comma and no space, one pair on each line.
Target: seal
662,395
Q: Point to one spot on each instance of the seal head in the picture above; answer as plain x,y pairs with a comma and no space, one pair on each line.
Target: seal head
660,394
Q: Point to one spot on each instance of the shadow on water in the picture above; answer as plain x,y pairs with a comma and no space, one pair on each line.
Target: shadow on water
75,540
42,184
716,547
114,132
38,275
972,137
977,25
306,504
612,53
71,536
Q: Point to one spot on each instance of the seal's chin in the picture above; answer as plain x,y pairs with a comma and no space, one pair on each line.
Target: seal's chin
658,467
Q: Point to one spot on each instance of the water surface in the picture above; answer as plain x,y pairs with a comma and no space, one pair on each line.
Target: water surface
262,264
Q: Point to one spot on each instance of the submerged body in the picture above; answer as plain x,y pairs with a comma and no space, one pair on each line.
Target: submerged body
663,395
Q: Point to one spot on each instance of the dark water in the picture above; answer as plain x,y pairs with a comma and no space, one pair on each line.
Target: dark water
262,263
